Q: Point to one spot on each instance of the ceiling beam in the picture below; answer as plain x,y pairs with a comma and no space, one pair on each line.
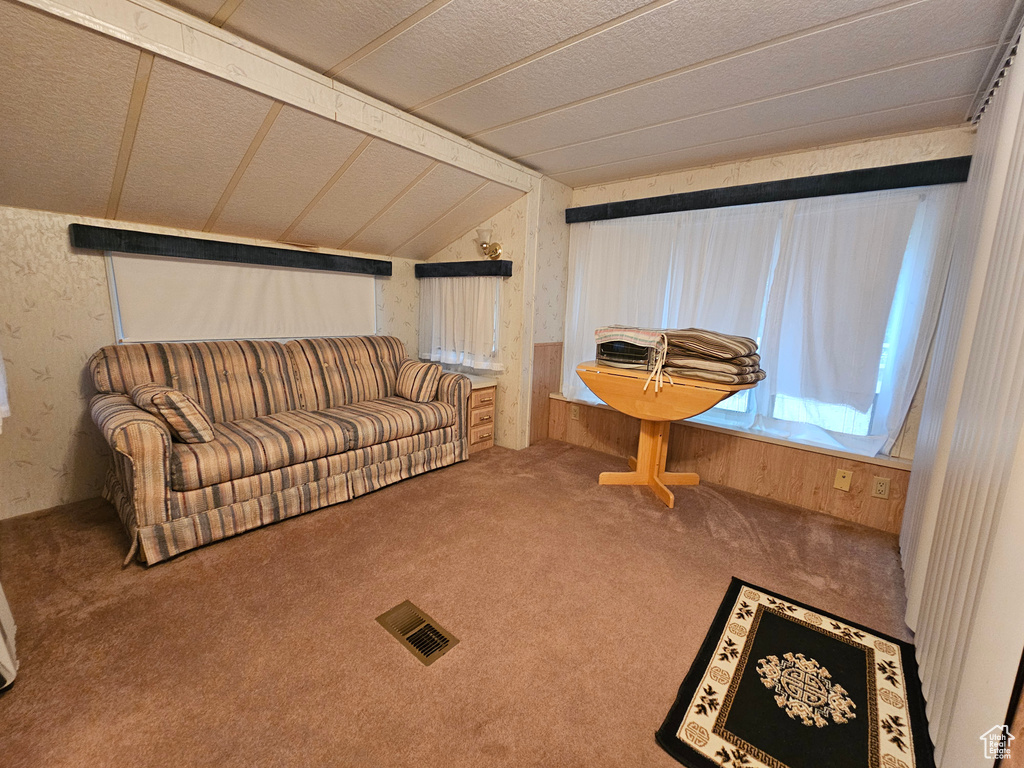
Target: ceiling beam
176,35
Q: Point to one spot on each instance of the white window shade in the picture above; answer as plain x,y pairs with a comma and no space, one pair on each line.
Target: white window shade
163,299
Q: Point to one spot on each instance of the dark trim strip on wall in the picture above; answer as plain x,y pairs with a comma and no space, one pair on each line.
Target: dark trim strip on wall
153,244
502,268
948,171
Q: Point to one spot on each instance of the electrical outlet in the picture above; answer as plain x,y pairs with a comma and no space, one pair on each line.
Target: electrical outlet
574,412
843,477
880,487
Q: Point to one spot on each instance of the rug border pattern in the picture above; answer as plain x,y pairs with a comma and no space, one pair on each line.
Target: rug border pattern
715,663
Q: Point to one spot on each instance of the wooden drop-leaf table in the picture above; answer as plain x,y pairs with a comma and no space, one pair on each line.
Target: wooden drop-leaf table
623,390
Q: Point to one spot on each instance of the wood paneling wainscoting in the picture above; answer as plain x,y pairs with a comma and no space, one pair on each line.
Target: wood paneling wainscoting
781,472
547,378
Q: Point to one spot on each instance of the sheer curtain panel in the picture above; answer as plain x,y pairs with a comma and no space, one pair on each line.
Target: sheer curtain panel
459,320
841,293
701,268
852,310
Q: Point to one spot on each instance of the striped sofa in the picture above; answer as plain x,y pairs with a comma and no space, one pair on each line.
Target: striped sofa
295,427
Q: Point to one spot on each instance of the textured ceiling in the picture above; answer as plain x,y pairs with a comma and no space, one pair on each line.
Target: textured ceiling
95,127
589,91
586,91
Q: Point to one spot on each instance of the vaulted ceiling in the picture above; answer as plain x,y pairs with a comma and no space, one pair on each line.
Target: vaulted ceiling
585,91
589,91
96,127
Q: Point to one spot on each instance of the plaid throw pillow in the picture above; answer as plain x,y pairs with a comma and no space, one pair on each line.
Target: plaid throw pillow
188,422
418,381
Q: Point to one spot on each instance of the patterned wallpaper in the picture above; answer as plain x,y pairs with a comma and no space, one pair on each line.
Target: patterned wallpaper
552,263
54,313
398,305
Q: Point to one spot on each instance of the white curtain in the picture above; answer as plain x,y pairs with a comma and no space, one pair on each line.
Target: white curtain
842,293
705,268
459,321
5,404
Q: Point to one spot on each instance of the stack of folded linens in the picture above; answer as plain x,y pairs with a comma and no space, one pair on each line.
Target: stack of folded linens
694,353
691,353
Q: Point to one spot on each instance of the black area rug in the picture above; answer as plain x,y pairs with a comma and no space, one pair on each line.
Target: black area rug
781,684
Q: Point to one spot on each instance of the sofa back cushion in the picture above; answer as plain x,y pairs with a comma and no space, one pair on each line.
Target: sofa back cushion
332,372
230,380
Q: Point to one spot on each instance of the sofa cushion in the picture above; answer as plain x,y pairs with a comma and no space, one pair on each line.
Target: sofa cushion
418,381
251,446
187,421
332,372
391,418
230,380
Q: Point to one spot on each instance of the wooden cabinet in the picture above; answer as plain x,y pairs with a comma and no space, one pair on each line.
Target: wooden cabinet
481,418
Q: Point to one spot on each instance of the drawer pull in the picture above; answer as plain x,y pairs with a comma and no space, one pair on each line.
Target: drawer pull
481,438
488,417
486,400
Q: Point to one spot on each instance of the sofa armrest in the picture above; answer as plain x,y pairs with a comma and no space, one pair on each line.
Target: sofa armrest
455,389
142,447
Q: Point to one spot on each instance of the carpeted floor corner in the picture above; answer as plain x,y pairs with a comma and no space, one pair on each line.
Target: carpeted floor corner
578,608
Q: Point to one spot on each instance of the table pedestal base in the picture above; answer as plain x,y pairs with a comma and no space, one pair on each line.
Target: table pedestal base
649,465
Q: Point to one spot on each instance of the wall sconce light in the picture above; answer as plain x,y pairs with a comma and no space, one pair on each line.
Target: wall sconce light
489,249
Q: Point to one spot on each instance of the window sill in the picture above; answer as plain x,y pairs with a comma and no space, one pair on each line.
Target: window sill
881,461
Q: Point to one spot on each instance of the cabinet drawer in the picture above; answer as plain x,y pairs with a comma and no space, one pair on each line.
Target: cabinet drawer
482,398
481,435
481,417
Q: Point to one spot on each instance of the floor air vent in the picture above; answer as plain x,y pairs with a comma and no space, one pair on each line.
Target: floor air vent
419,633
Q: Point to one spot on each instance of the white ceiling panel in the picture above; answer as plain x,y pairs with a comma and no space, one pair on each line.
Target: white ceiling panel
679,34
891,89
60,121
431,198
204,9
467,39
864,126
193,132
298,156
887,39
467,215
587,90
317,33
370,184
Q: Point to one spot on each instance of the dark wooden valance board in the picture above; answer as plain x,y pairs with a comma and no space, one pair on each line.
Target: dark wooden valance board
502,268
173,246
948,171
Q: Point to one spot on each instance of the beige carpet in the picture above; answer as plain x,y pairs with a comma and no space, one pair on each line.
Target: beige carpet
578,607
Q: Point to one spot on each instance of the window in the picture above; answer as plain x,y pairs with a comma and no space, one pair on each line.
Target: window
841,292
459,321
